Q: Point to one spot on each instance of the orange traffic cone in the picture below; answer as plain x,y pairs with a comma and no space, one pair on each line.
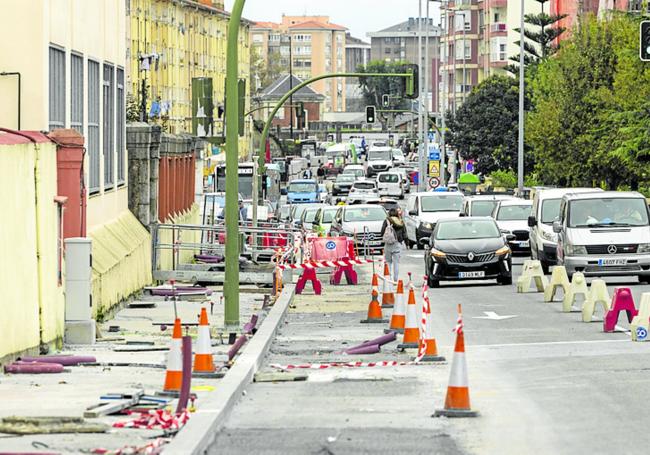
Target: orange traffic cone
174,376
399,311
387,295
203,362
427,348
374,311
375,283
457,401
411,331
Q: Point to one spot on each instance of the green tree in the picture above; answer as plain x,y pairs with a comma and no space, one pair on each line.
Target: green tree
485,129
542,30
373,88
264,72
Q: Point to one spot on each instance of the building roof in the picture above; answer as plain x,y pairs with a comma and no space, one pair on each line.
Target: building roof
351,41
281,86
271,25
406,28
313,25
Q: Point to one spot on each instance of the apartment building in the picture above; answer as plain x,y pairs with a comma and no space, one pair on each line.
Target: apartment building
576,8
308,46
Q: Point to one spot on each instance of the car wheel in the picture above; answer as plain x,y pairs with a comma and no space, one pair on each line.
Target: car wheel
505,280
401,196
432,282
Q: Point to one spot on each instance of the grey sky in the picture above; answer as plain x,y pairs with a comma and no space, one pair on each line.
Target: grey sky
360,16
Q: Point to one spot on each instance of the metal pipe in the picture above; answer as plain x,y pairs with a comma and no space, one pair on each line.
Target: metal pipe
232,352
65,360
16,73
186,382
520,153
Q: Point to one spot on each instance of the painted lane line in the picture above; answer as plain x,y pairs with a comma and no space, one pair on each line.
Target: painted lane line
495,317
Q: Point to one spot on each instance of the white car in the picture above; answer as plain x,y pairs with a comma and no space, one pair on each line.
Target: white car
390,184
512,218
424,210
362,191
482,205
363,223
356,170
323,219
405,178
398,157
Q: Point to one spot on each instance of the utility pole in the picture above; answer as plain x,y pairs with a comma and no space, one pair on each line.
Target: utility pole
443,141
520,153
291,85
421,171
425,99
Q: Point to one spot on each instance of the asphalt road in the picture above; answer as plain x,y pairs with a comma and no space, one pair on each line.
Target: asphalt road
543,381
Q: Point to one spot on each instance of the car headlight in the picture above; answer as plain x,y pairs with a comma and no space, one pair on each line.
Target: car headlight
575,250
548,236
438,253
503,250
426,225
644,248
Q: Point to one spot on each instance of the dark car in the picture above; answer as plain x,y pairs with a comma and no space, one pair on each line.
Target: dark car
342,184
471,248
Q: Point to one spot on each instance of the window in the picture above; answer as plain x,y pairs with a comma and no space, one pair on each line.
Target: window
93,126
77,93
258,38
108,122
463,21
57,88
121,127
460,55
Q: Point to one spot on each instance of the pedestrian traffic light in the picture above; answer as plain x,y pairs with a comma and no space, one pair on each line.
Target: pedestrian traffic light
644,41
370,114
385,101
412,83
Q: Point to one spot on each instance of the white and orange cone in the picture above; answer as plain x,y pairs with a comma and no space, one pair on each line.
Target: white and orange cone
457,401
375,284
374,311
427,348
174,375
398,318
387,295
412,329
203,362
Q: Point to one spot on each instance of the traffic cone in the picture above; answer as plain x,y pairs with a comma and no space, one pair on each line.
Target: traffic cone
174,375
375,283
387,295
411,331
374,311
203,362
399,311
457,401
427,342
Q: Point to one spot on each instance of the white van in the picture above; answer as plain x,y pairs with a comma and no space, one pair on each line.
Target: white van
604,234
380,159
390,184
546,209
423,210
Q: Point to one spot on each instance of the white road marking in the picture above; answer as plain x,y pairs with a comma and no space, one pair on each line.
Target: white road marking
545,343
495,317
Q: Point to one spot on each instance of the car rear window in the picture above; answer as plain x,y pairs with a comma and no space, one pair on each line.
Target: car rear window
388,178
364,185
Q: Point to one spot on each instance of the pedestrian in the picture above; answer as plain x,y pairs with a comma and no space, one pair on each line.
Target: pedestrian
320,173
307,174
393,233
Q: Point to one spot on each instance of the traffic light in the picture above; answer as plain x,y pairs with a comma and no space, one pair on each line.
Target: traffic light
412,83
370,114
644,41
385,101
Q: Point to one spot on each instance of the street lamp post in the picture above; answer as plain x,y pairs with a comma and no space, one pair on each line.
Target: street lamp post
520,154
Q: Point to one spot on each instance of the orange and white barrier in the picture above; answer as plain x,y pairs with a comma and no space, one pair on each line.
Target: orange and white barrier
325,264
411,330
203,361
427,348
174,374
398,318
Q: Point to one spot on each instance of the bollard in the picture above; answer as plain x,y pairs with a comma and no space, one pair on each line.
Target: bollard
621,301
577,287
532,272
598,294
559,279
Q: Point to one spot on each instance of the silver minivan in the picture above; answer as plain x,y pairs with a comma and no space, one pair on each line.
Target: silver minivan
604,234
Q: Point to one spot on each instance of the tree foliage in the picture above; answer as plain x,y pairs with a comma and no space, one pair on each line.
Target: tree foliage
263,73
591,119
485,127
373,88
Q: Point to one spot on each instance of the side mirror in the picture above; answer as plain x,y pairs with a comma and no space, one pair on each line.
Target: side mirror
413,212
511,237
425,241
283,191
532,221
557,227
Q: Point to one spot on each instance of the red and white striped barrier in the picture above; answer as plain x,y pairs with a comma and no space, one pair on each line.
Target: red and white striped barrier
323,366
426,308
158,420
325,264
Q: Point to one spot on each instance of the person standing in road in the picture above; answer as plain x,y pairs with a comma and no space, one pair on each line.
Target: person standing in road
393,233
320,173
307,174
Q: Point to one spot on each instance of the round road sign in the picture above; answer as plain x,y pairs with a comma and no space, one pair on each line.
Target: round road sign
434,182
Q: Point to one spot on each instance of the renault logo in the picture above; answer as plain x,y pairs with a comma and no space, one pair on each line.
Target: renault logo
612,249
471,256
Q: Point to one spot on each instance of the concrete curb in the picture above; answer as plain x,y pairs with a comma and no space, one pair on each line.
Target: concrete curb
214,409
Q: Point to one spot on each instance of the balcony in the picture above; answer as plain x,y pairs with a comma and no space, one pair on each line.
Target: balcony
497,3
499,27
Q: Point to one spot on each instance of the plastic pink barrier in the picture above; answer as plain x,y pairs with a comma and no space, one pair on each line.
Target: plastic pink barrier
622,300
335,249
309,275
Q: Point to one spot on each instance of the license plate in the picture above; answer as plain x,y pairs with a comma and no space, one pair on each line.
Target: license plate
524,244
606,262
471,274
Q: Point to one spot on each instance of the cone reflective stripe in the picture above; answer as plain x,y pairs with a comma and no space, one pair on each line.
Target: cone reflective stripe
387,295
375,283
203,362
457,400
374,311
398,318
412,328
174,375
427,348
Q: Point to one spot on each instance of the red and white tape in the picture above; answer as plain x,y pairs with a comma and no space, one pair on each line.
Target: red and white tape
158,420
323,366
325,264
426,308
154,447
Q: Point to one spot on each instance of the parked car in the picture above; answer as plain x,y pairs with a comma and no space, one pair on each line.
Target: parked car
546,209
470,248
390,184
295,216
362,223
342,184
308,217
512,218
424,210
303,191
482,205
380,159
604,234
362,191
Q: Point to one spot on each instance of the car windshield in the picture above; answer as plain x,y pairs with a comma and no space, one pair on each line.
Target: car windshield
364,186
328,215
298,211
388,178
550,210
603,212
309,215
398,153
302,187
467,229
483,208
513,212
284,212
365,214
345,178
384,155
446,203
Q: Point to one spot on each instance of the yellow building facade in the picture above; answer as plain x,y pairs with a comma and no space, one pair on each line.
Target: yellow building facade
172,42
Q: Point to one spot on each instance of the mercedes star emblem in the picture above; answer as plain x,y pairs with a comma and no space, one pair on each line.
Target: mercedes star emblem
612,249
471,256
